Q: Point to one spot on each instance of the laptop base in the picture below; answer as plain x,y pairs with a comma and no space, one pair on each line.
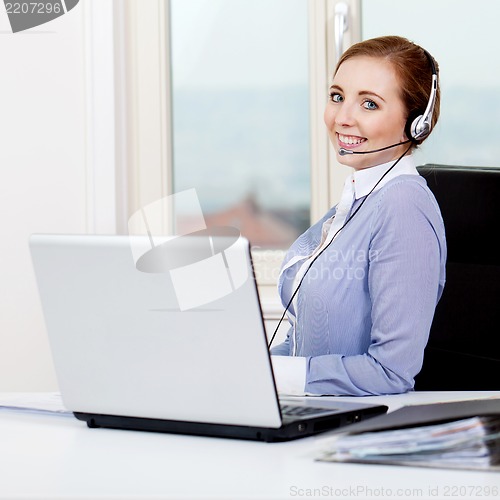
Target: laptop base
287,432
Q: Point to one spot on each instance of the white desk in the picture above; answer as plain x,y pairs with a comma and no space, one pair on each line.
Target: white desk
58,457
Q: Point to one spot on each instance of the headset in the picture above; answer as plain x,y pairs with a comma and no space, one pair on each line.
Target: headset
417,128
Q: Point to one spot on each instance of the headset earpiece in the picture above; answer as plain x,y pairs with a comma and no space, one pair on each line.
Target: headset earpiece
419,125
411,123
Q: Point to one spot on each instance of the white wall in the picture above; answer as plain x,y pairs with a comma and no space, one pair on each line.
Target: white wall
43,186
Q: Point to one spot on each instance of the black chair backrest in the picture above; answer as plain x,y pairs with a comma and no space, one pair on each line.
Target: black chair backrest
463,352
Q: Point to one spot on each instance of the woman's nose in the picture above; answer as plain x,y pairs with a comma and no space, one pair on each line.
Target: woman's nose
345,115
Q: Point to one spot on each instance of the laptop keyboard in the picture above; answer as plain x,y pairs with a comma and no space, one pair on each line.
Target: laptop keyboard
297,411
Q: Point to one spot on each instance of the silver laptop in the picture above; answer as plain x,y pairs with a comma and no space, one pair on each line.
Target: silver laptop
167,337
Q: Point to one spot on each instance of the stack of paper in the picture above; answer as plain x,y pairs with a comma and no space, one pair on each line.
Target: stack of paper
462,435
471,443
34,402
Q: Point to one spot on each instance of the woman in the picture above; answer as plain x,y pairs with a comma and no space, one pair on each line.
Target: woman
370,273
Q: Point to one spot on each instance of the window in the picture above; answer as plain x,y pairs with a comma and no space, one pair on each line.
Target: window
240,114
144,79
258,73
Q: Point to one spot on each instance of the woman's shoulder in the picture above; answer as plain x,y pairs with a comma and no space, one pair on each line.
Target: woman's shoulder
405,197
406,190
406,183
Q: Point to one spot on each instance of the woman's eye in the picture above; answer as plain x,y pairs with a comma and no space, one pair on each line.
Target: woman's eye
370,105
335,97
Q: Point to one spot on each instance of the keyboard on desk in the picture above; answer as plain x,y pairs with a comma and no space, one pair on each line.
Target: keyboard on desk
294,412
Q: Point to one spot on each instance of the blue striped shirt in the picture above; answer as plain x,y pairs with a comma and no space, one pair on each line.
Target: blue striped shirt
364,309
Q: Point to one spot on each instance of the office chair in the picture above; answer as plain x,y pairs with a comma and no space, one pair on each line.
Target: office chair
463,352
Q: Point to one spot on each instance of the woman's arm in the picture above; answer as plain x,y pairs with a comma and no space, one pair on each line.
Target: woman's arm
283,349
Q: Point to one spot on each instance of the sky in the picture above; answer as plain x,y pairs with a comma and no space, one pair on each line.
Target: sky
265,42
462,36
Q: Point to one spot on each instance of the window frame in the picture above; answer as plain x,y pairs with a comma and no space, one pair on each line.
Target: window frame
144,134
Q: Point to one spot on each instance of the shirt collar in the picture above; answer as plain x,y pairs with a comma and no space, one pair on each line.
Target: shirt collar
365,179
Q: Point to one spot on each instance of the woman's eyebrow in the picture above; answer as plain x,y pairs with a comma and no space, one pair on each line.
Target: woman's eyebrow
369,92
335,87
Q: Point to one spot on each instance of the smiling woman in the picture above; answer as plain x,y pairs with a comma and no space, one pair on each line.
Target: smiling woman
362,284
396,86
365,111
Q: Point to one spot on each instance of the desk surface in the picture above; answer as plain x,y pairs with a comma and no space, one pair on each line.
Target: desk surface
51,456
